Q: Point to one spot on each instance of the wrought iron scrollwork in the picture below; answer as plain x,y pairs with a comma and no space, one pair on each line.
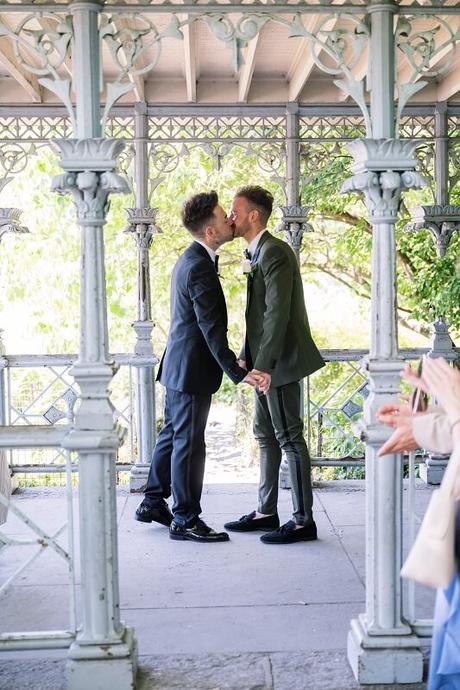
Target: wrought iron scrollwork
44,51
427,44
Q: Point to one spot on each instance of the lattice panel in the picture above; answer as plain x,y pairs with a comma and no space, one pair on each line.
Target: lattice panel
35,128
217,127
332,127
417,126
454,164
334,400
44,395
120,127
453,126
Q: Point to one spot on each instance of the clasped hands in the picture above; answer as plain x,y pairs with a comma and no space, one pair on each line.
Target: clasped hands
258,379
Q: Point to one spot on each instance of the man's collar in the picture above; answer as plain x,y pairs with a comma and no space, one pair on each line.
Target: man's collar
252,246
210,251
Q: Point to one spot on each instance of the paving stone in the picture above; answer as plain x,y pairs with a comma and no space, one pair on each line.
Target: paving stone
206,672
36,674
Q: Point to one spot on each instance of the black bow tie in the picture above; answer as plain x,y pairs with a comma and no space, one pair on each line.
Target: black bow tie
216,263
247,254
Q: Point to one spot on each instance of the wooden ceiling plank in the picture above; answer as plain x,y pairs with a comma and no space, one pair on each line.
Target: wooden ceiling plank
188,31
247,70
450,84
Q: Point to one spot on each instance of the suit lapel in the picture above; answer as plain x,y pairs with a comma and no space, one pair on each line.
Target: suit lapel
254,260
262,241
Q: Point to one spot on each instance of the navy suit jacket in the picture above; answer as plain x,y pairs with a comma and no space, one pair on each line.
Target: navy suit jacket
197,350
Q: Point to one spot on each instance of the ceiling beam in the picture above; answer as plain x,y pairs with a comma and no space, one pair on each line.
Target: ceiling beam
302,64
20,74
188,31
247,70
450,84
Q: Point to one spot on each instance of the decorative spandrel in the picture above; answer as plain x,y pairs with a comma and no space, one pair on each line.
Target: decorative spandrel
165,158
442,221
426,50
41,44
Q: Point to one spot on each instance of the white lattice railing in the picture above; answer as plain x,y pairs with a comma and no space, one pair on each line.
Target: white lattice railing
40,391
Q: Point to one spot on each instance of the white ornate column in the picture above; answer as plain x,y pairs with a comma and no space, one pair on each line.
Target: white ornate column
142,227
10,222
381,645
103,655
293,223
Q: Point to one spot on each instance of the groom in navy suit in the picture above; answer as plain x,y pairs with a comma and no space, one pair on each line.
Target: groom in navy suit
196,355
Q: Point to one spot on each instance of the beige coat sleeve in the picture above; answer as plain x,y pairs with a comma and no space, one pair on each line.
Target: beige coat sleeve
432,431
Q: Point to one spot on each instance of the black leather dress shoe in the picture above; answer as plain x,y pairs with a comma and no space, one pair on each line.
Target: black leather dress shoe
199,532
249,523
159,513
288,534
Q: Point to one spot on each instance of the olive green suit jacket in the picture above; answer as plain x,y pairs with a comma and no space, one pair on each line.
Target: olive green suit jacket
278,338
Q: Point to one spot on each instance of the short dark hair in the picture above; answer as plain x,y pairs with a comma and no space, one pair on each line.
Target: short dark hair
260,198
198,211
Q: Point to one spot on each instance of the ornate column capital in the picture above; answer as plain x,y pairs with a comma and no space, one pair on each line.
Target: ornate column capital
384,168
89,176
441,220
10,221
142,225
294,223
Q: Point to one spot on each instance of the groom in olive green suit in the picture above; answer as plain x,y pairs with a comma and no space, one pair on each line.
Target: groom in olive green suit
278,341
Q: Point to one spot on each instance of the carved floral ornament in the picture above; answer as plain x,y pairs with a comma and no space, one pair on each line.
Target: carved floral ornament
384,168
142,225
89,176
294,223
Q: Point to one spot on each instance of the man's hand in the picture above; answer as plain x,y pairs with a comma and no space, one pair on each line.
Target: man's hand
259,380
265,380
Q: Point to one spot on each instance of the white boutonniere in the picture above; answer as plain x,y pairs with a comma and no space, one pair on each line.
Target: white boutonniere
247,268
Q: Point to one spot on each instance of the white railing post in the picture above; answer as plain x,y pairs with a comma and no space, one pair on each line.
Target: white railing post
143,227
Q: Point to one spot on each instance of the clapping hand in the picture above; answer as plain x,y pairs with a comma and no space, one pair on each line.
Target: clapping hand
400,418
443,381
439,379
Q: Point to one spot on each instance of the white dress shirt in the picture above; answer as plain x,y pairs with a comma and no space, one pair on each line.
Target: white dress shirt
252,246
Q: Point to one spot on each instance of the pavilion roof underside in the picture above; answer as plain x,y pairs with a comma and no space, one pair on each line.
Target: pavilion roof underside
178,58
